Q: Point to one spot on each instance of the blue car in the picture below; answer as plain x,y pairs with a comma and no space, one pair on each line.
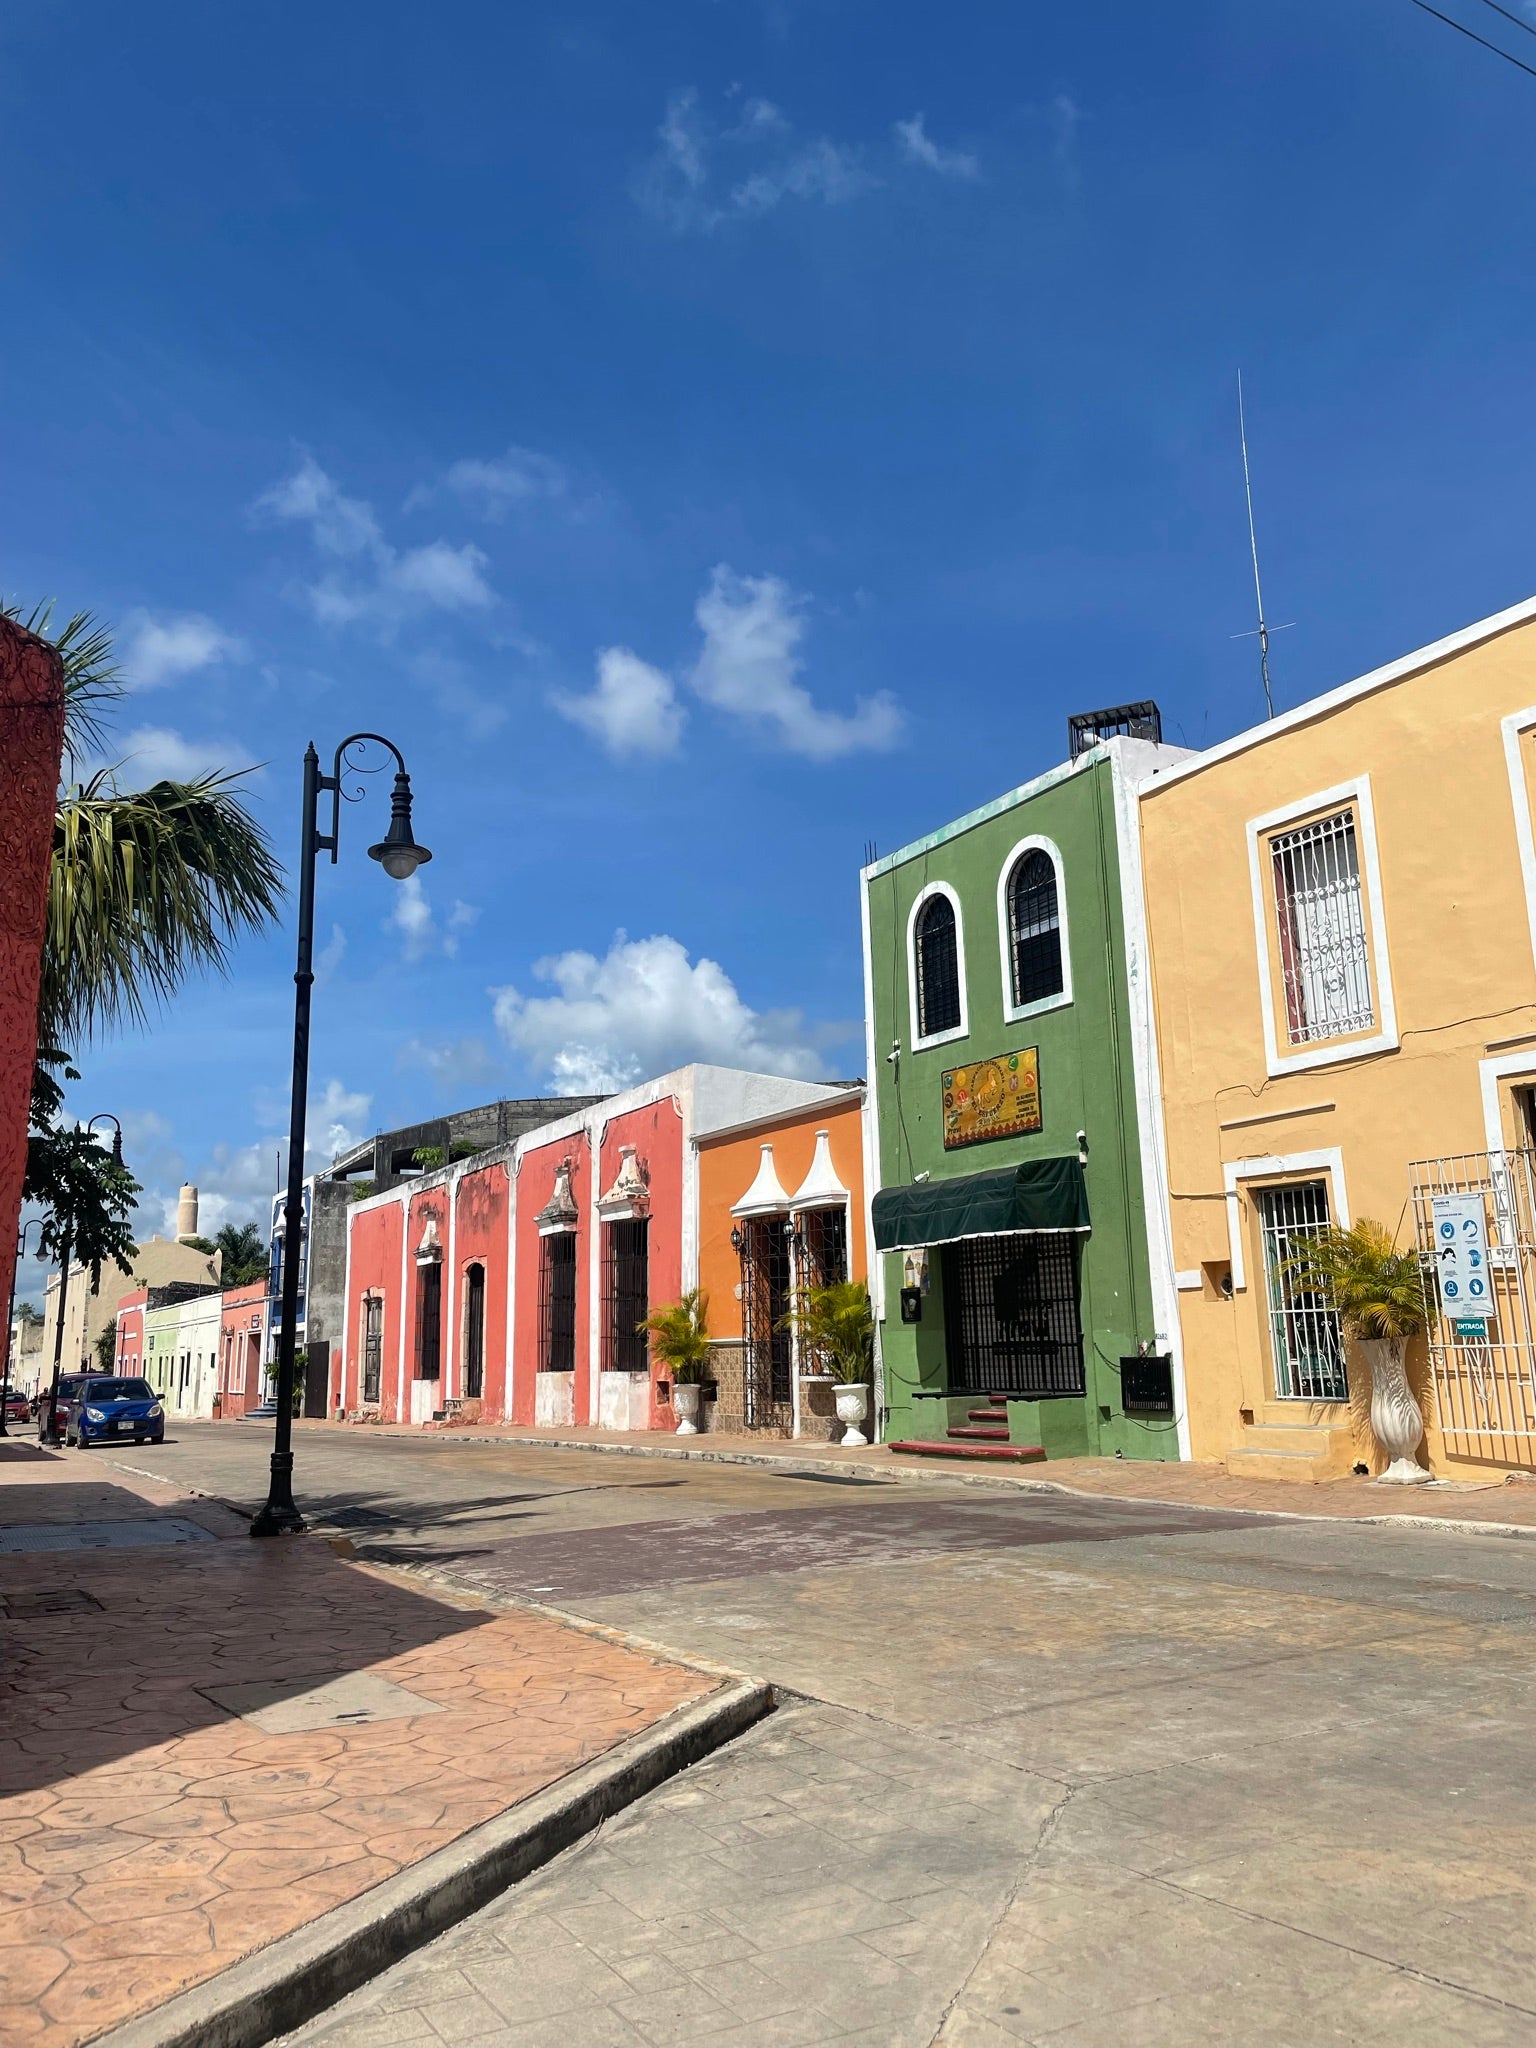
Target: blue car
115,1411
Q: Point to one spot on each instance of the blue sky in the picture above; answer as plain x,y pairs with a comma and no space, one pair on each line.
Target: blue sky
706,439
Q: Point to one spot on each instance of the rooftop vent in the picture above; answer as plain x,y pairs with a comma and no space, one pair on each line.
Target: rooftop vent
1122,721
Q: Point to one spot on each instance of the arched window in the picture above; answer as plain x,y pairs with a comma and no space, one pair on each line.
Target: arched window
1034,929
938,968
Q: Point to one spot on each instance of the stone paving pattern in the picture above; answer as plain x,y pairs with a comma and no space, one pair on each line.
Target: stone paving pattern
148,1839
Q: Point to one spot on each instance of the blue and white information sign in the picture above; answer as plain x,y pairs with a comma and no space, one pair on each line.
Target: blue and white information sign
1461,1256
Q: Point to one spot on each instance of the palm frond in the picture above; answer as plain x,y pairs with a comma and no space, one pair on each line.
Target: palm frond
1374,1289
679,1333
146,886
837,1328
92,678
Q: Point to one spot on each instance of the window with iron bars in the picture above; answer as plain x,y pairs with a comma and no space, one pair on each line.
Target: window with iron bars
1034,928
938,968
1325,958
1304,1338
373,1347
1012,1315
429,1323
768,1348
823,1247
474,1332
557,1301
626,1295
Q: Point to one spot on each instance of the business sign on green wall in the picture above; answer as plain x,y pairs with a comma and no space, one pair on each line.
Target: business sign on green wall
996,1098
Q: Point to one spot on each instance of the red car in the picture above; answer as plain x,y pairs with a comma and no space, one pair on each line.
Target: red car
18,1407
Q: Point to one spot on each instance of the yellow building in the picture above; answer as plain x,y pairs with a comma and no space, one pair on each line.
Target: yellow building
1341,910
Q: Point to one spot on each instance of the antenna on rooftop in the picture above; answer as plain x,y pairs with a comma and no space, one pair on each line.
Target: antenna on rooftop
1253,543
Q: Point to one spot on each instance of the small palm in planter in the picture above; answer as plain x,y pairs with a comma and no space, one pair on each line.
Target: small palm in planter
679,1335
1379,1296
837,1330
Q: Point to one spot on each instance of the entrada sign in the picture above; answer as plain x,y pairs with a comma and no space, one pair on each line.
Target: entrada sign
996,1098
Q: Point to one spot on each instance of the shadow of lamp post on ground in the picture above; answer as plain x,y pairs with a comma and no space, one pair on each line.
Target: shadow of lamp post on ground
399,856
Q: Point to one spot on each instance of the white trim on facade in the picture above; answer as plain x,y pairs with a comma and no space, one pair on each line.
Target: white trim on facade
449,1315
961,1030
1151,1133
1016,1013
1188,1280
869,1138
1509,1067
1327,1159
1516,724
1357,791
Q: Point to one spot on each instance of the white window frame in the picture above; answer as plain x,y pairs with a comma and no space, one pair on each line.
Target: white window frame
1015,1013
1514,727
963,1028
1358,794
1275,1166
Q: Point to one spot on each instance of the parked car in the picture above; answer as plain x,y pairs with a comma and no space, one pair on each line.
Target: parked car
70,1384
18,1406
115,1410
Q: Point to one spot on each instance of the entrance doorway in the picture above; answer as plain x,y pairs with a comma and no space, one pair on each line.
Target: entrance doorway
1012,1315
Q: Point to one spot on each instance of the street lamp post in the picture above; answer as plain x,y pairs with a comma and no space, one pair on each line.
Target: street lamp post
66,1253
399,856
10,1321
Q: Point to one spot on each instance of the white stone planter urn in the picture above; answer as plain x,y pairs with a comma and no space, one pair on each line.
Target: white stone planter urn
685,1403
852,1407
1396,1422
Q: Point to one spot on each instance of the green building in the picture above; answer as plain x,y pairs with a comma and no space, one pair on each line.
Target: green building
1020,1263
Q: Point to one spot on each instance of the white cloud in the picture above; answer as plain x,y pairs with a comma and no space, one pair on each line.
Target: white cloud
680,185
502,484
157,753
918,147
331,954
161,651
641,1010
633,710
382,585
421,935
457,1066
752,627
338,1121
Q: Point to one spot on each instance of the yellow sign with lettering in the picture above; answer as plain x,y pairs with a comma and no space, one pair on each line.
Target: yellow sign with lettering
997,1098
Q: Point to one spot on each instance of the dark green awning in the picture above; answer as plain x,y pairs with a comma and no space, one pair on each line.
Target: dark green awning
1041,1194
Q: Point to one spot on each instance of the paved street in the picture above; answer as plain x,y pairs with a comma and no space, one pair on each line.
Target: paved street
1081,1773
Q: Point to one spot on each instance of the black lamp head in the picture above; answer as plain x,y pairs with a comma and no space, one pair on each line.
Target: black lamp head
397,852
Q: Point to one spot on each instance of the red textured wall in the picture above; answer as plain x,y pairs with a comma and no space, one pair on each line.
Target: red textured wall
240,1374
480,1238
130,1330
656,1132
535,1185
31,748
373,1266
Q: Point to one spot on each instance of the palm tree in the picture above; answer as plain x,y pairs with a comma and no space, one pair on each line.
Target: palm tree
837,1328
245,1255
146,886
679,1335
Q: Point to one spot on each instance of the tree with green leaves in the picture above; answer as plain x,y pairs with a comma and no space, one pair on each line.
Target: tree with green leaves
679,1334
837,1329
87,1197
106,1345
245,1254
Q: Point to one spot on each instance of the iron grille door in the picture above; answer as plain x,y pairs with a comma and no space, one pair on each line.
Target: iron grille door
824,1246
557,1300
768,1349
1034,917
373,1349
474,1333
938,968
626,1275
1323,950
429,1332
1012,1317
1303,1330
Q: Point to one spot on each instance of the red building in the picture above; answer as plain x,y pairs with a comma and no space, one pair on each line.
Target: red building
509,1286
241,1348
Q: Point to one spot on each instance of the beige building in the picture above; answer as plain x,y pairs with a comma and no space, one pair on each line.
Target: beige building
88,1310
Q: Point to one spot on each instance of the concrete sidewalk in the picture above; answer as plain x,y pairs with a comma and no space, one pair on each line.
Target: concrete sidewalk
206,1743
1499,1499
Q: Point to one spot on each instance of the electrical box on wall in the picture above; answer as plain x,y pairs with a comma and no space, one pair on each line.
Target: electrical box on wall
1146,1384
911,1304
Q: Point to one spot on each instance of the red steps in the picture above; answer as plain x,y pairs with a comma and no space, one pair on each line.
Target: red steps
947,1447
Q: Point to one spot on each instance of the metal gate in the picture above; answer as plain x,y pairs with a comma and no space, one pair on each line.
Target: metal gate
1485,1386
767,1350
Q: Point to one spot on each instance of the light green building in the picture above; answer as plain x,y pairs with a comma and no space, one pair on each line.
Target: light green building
1021,1268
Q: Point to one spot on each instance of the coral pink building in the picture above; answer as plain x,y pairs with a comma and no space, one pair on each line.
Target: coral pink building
508,1287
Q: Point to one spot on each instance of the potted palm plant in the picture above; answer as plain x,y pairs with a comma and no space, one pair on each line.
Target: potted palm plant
837,1330
1379,1296
679,1334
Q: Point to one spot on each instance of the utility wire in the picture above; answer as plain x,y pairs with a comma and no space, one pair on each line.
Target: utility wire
1472,35
1518,19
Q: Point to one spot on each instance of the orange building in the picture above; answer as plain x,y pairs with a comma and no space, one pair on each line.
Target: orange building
781,1206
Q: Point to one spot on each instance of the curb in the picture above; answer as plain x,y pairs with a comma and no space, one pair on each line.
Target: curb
304,1973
